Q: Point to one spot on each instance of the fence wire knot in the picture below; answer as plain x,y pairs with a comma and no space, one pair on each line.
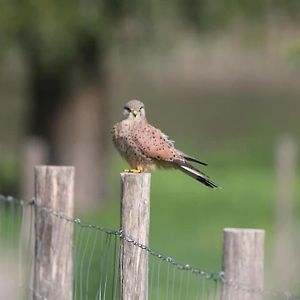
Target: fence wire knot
77,221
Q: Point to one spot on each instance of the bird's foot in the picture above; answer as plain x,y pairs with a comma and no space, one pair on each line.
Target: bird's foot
133,171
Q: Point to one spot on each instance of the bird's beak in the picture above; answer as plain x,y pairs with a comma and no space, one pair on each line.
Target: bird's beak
135,112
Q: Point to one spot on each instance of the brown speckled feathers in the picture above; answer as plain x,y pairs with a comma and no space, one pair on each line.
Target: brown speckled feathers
146,147
153,143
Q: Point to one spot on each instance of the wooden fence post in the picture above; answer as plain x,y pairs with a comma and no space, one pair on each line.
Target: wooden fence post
135,216
285,269
53,257
243,264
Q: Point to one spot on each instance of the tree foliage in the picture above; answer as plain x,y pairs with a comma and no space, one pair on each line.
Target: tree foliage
57,29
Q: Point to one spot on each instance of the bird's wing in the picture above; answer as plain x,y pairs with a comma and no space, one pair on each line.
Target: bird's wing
191,158
166,137
155,144
187,168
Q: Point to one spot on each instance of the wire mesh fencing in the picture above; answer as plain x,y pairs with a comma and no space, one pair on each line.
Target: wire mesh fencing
96,259
96,252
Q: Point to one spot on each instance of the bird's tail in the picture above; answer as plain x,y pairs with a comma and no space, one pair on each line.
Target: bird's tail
193,172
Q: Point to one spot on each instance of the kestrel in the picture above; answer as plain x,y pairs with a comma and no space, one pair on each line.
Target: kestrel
147,148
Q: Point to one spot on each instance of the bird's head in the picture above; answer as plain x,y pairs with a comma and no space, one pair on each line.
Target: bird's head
134,110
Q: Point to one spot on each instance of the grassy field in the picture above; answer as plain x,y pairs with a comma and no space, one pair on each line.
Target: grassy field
187,219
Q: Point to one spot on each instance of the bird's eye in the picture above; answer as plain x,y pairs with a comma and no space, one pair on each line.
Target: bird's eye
126,112
142,111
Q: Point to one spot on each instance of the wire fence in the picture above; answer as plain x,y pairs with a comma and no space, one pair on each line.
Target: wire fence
96,261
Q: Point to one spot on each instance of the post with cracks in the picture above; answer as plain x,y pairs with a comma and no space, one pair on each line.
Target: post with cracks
243,264
135,218
53,255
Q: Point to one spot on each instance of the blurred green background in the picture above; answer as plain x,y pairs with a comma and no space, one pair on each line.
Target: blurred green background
220,77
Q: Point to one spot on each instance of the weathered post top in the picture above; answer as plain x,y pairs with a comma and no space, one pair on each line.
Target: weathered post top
243,264
53,269
135,219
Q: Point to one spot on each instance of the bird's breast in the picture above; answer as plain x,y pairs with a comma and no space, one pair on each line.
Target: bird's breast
123,137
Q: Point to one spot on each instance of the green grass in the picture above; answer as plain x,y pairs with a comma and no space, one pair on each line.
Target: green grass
187,221
187,218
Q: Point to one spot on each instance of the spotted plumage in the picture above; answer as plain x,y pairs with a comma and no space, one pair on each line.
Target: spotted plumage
146,147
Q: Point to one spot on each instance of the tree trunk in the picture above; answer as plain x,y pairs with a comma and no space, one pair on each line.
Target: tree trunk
68,112
79,139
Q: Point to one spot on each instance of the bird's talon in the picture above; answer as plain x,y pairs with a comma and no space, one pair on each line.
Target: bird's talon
133,171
